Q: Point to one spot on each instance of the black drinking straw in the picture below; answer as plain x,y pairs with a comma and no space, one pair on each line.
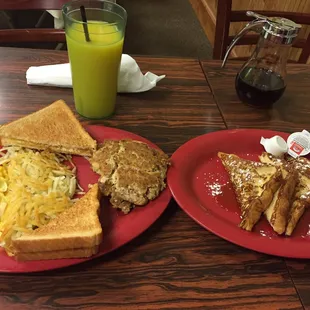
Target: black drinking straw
84,19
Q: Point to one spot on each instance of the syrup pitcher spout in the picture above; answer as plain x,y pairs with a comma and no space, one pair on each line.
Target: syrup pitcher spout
254,25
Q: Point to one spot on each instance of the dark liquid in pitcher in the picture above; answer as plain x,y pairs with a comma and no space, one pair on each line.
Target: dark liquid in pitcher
259,87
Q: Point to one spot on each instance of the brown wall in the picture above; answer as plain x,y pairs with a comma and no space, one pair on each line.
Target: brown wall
206,12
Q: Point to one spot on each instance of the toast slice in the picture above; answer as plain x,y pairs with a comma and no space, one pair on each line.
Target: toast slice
301,196
254,184
277,212
53,128
76,253
302,193
77,228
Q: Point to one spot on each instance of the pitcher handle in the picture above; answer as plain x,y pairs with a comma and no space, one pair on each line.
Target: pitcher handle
259,21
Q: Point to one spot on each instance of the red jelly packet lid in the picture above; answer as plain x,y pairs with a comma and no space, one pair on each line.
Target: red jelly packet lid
299,144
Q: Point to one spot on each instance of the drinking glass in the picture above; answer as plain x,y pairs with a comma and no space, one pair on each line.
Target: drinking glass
95,50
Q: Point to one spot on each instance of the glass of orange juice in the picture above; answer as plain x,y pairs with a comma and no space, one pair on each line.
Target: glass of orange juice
95,50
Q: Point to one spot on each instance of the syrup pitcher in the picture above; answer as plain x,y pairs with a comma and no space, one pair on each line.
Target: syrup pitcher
261,80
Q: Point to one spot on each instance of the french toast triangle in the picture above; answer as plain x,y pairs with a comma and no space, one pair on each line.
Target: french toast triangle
278,211
301,194
254,183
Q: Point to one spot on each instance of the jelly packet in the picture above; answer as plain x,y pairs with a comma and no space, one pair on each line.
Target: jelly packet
297,144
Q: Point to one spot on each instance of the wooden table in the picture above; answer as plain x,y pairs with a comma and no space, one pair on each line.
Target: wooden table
176,264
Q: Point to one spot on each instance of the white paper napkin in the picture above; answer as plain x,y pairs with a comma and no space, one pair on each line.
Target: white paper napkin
130,80
58,19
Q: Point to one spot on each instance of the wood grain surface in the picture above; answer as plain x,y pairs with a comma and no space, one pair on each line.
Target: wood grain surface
180,108
290,114
176,264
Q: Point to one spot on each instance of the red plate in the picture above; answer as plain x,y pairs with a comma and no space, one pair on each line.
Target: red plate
195,166
118,228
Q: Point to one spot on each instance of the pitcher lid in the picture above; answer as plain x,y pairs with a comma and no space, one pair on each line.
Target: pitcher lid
281,27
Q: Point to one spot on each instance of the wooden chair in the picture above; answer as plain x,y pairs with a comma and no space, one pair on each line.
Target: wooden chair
225,16
32,35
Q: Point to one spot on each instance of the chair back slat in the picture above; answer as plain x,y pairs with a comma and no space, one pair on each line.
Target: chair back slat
299,18
31,4
32,35
222,28
225,16
252,39
303,58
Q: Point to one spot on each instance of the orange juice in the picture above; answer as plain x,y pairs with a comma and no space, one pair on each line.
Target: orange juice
94,66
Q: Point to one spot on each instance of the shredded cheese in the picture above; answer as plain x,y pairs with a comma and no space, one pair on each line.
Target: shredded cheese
34,187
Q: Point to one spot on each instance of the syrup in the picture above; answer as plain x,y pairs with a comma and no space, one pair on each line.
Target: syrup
259,87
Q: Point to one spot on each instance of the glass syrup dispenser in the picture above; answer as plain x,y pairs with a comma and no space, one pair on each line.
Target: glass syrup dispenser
261,80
